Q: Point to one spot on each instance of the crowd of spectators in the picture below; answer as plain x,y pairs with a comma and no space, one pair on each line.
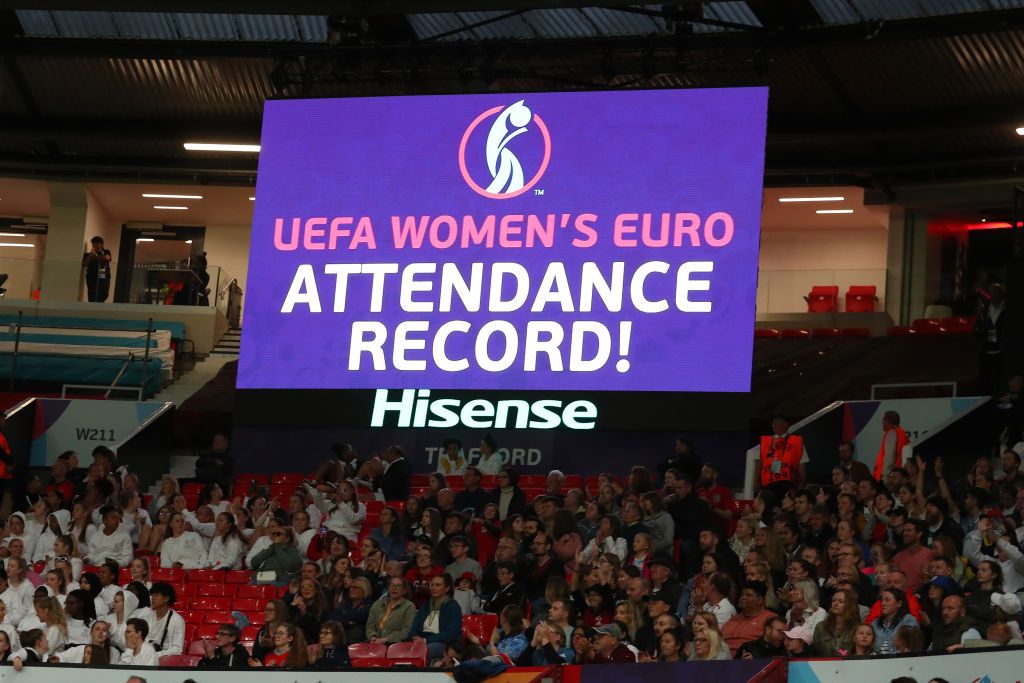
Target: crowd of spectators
660,565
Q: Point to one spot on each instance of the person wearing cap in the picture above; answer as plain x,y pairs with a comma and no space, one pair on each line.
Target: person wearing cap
748,624
662,581
608,646
770,644
940,522
466,595
931,602
461,563
1008,610
797,641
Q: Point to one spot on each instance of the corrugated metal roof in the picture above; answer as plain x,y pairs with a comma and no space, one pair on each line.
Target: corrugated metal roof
172,26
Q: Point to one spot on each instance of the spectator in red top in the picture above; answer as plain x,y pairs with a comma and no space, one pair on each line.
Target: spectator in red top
896,580
608,646
748,625
914,556
290,651
420,574
718,497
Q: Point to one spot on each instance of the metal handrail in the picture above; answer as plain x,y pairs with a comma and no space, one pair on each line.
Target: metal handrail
120,374
232,281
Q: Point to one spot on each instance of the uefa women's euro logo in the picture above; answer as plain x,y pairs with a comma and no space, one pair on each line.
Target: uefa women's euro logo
511,145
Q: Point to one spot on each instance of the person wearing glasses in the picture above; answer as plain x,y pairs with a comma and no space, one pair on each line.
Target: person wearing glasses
390,618
225,653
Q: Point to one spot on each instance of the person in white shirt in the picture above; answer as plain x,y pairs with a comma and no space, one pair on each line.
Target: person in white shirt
203,522
16,529
35,521
100,636
609,539
183,549
48,616
8,628
138,651
107,573
18,583
345,514
135,522
262,542
91,584
213,496
80,611
166,627
110,542
56,526
14,602
304,533
125,605
227,545
716,589
490,458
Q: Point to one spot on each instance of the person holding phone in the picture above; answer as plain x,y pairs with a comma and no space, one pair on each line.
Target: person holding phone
96,262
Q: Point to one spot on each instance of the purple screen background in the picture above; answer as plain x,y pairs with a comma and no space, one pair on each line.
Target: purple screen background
698,151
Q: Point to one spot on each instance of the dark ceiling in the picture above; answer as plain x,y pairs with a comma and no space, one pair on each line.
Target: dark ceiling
881,93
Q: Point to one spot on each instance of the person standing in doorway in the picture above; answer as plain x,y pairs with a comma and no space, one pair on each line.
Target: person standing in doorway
97,270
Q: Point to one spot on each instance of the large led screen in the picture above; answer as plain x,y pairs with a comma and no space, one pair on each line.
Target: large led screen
597,241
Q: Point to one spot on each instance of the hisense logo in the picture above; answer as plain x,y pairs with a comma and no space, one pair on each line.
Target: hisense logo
416,408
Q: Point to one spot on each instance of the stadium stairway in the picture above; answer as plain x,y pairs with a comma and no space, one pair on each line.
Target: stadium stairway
189,383
229,344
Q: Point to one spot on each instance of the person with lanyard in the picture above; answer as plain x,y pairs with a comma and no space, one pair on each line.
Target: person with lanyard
783,463
391,617
166,627
439,620
97,270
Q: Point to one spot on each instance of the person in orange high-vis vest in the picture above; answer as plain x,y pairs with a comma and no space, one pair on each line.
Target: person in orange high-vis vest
782,460
894,440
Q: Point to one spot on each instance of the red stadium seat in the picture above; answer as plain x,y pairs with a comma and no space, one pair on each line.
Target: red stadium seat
374,506
191,500
821,332
207,604
362,650
219,618
371,663
256,617
90,569
190,632
766,333
208,631
250,633
123,576
796,334
192,588
927,326
856,332
292,478
247,604
397,504
456,482
488,481
481,625
414,653
238,576
372,520
282,491
534,481
196,647
180,660
901,331
261,593
419,480
191,616
861,299
193,489
573,481
955,327
215,590
822,299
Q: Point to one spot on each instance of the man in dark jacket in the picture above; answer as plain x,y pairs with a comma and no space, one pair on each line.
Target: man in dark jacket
956,626
227,653
394,482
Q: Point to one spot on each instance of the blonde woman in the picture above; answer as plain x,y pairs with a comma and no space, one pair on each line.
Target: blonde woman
806,609
50,616
629,617
708,646
743,539
704,623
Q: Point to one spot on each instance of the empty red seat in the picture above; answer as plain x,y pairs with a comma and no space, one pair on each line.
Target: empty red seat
822,299
191,616
190,632
237,576
367,650
371,663
261,593
955,326
766,333
250,633
219,618
856,332
488,481
215,590
192,489
208,631
247,604
901,331
282,491
206,575
480,625
573,481
212,604
927,326
192,588
246,479
293,478
820,332
123,576
419,480
196,647
256,617
414,653
180,660
375,506
533,481
796,334
861,299
191,500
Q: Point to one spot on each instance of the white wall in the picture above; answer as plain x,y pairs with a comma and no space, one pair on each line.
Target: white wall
792,261
228,248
